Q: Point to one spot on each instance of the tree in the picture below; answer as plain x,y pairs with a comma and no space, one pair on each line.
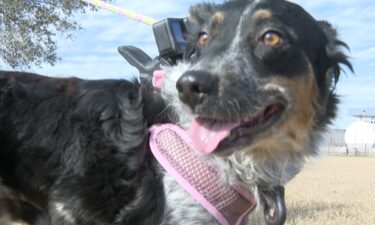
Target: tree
29,29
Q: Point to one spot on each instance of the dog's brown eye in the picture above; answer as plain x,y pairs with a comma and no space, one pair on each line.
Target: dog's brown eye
272,38
203,39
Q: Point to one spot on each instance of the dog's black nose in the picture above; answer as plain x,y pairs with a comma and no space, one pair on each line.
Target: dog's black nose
194,86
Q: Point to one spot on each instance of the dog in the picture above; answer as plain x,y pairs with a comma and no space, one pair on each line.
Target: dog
75,152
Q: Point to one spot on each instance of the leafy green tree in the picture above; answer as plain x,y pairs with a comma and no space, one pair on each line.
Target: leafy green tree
29,29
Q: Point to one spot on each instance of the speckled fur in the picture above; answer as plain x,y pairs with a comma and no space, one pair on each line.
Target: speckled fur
273,160
72,151
236,170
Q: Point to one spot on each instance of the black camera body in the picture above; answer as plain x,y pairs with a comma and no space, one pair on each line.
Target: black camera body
170,37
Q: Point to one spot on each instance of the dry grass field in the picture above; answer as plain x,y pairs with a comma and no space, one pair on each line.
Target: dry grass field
330,191
333,191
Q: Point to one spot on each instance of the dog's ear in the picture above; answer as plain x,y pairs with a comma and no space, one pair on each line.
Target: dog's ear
335,52
202,12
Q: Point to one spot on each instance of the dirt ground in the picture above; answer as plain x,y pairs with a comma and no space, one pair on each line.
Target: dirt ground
333,191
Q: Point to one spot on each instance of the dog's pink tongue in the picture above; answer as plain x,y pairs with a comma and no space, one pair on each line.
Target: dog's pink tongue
206,134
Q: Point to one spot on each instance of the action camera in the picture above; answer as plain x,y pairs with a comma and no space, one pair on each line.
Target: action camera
170,36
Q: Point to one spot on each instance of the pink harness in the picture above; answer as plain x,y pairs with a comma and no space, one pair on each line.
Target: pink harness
172,147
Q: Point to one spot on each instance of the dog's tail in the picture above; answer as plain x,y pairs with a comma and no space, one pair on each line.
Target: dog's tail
16,210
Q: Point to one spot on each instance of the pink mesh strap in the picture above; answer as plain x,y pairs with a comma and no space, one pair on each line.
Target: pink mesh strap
171,147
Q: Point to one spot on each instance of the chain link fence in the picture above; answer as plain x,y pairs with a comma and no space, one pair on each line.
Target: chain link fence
334,145
345,151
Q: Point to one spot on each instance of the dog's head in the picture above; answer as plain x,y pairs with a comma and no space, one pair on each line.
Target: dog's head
260,78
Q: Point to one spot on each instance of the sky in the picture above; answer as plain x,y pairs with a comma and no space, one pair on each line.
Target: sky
92,54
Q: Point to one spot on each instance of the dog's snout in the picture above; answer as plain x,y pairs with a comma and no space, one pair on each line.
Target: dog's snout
194,86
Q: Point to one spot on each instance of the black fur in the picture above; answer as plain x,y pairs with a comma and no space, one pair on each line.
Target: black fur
307,42
82,145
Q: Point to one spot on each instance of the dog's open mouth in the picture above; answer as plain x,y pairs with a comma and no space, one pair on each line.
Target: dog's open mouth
209,134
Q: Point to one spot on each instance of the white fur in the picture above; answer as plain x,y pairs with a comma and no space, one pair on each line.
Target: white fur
181,208
62,212
239,168
170,93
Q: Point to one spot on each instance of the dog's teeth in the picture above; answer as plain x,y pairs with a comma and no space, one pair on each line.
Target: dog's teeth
241,132
249,123
236,134
256,122
233,136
